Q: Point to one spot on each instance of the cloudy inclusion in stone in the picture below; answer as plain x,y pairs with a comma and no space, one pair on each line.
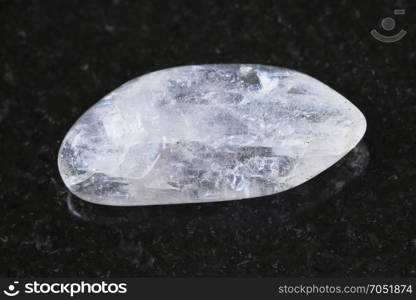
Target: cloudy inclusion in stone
207,133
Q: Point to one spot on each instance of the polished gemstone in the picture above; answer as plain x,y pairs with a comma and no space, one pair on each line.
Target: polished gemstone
207,133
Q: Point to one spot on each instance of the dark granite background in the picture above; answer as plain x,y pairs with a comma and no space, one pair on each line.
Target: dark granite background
57,58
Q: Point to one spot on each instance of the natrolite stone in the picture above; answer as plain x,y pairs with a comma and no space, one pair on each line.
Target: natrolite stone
207,133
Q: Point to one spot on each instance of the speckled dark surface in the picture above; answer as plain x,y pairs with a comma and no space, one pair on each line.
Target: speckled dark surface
57,58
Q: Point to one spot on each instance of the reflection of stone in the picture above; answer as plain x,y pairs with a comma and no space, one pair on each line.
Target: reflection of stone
279,208
328,184
207,133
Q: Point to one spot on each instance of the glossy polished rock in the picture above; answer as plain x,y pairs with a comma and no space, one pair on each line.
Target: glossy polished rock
207,133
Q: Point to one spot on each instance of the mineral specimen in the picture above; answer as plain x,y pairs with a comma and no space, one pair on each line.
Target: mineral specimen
207,133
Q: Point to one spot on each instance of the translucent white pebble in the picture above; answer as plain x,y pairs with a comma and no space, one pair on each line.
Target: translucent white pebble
207,133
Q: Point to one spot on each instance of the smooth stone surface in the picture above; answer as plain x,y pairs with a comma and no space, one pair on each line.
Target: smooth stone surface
207,133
